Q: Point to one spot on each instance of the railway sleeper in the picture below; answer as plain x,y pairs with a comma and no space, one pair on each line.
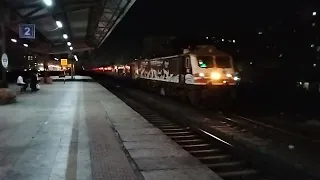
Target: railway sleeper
205,152
164,123
215,158
249,174
173,130
178,133
194,147
190,141
186,137
226,167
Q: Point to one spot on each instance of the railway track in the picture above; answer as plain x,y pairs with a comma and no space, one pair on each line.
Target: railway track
225,159
275,128
212,151
259,130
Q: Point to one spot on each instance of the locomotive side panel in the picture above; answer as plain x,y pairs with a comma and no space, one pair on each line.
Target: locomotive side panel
161,69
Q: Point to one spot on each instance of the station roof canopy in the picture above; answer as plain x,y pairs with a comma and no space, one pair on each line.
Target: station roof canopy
86,22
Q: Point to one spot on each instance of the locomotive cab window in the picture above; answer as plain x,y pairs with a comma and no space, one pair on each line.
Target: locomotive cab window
205,61
223,62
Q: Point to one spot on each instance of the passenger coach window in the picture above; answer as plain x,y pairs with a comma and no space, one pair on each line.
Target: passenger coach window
205,61
223,62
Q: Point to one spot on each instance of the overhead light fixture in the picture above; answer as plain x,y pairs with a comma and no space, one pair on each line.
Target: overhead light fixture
14,40
71,48
75,57
25,45
56,59
65,36
59,24
69,43
48,2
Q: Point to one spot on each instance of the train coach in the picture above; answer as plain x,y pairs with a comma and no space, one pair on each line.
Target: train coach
196,75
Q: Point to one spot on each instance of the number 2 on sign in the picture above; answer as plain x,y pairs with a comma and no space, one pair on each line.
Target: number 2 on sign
27,31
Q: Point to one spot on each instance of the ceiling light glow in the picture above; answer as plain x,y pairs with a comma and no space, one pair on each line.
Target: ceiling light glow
59,24
48,2
65,36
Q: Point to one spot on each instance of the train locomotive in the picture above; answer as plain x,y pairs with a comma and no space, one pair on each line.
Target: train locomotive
195,75
198,75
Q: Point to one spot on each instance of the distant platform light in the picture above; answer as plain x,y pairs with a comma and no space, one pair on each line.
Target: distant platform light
75,57
65,36
59,24
207,37
314,65
222,40
71,48
260,32
48,2
314,13
25,45
56,59
250,62
69,43
312,45
313,24
234,41
14,40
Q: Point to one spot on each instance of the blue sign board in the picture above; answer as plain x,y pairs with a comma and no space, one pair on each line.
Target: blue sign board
27,31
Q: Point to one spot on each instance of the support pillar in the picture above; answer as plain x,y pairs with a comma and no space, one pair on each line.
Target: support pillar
3,21
70,56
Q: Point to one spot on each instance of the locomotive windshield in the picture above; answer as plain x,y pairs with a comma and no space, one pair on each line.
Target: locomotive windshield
205,61
223,62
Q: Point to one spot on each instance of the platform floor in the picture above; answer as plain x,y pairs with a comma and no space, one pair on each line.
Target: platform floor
77,77
81,131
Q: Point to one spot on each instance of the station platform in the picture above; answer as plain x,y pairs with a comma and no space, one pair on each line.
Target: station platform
81,131
69,78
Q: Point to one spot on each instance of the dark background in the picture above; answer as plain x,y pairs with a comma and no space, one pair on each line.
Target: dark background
287,31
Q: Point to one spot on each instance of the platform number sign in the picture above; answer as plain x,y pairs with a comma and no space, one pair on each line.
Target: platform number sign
64,62
27,31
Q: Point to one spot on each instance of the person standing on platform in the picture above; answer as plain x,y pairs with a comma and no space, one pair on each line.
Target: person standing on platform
64,77
34,82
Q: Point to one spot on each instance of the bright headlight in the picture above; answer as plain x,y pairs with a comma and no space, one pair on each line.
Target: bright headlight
215,75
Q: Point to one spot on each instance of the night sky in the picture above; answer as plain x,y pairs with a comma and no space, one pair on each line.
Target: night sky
281,35
241,21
